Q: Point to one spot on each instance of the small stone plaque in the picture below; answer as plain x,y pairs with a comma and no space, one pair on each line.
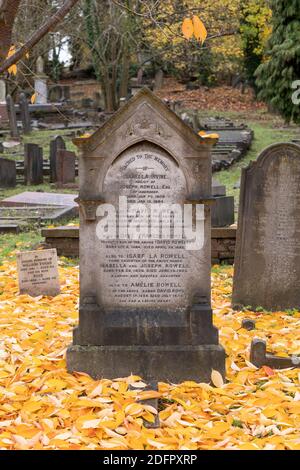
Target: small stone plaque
38,273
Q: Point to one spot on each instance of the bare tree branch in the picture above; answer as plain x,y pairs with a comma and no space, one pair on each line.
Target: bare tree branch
49,25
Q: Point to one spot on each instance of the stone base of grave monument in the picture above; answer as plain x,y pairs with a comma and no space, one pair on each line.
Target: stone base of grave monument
158,346
174,364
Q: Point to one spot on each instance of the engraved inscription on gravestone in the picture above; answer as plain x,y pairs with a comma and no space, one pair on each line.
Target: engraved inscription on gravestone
38,273
267,265
145,295
149,272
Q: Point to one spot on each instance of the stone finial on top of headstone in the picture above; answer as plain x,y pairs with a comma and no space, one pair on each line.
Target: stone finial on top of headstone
145,303
267,263
38,273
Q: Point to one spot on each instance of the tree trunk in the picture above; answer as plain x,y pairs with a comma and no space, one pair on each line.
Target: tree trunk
39,34
8,13
125,76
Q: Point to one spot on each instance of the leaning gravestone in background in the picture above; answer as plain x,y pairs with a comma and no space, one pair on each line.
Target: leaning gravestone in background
56,144
145,304
267,262
33,164
8,173
65,166
38,273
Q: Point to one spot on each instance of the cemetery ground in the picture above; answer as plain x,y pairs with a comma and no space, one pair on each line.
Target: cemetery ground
44,407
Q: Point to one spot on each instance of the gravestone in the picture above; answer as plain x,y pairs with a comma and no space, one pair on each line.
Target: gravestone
56,144
14,132
222,214
158,80
267,262
38,273
33,164
65,166
25,116
7,173
40,83
3,108
145,302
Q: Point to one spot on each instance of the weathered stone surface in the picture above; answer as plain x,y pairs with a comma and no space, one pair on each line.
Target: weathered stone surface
248,324
56,144
39,198
259,357
144,304
9,228
38,273
65,166
267,264
222,213
7,173
33,164
25,116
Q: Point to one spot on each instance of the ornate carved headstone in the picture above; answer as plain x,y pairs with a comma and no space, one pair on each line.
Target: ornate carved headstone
267,262
145,301
55,144
7,173
14,132
33,164
25,115
65,166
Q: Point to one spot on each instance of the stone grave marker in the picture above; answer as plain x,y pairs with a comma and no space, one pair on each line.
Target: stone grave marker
267,262
33,164
3,107
25,115
7,173
145,302
14,132
40,83
65,166
38,273
55,144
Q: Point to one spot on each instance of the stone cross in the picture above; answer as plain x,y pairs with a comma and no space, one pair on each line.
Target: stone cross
145,299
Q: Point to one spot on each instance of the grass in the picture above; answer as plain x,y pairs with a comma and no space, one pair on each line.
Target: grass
24,241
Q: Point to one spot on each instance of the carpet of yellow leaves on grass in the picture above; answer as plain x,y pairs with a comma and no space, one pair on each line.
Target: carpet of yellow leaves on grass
44,407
